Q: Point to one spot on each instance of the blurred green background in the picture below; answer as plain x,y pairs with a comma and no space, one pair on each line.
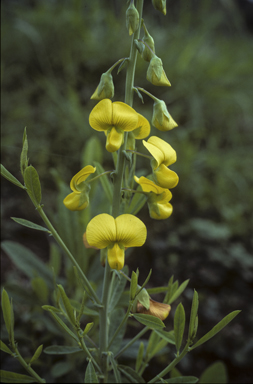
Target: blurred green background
53,53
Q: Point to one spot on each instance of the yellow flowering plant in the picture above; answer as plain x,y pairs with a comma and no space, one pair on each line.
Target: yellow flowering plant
95,318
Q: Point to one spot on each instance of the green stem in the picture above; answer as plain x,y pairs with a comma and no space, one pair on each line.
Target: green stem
171,365
115,64
133,191
69,254
147,93
121,324
98,176
140,154
27,366
141,333
83,345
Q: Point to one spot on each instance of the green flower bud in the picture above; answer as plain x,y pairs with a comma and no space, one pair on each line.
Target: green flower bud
156,74
105,89
160,5
161,118
132,18
148,39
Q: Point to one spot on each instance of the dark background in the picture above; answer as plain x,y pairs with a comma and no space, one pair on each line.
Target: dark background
53,53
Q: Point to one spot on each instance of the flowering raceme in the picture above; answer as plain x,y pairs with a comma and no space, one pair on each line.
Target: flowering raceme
79,198
158,198
104,231
115,119
164,155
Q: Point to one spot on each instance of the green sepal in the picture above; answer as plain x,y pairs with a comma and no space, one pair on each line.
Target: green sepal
37,354
90,374
7,175
179,325
8,315
194,311
23,156
32,183
4,348
150,321
133,285
30,224
217,328
12,377
67,305
139,45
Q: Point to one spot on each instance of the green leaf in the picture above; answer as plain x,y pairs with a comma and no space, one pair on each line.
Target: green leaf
90,374
27,261
153,291
194,312
115,320
23,156
87,328
139,358
217,328
145,282
55,258
61,350
11,377
29,224
7,175
179,291
149,320
137,202
8,315
216,373
130,374
179,324
51,308
106,184
169,290
168,336
133,285
4,348
36,354
40,288
115,368
32,183
92,151
117,289
182,380
63,325
67,305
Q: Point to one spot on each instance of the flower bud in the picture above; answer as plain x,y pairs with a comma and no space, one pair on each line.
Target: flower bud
156,74
148,39
105,89
156,309
132,18
161,118
160,5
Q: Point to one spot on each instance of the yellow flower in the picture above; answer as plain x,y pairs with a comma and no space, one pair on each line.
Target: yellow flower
103,231
79,198
158,198
156,74
161,118
115,119
164,155
156,309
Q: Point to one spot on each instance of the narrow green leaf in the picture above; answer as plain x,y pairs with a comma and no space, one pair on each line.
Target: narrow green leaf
106,184
194,312
115,368
7,175
155,290
11,377
179,291
36,354
217,328
40,288
90,374
115,320
182,380
87,328
23,156
29,224
137,202
215,373
169,290
64,326
117,289
67,305
145,282
179,324
32,183
130,374
139,358
51,308
61,350
149,320
4,348
8,314
55,258
168,336
133,285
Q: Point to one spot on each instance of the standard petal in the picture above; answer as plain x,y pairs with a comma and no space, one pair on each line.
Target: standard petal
100,117
169,154
101,231
124,116
114,140
165,177
155,152
148,185
131,231
116,257
143,128
72,202
81,176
